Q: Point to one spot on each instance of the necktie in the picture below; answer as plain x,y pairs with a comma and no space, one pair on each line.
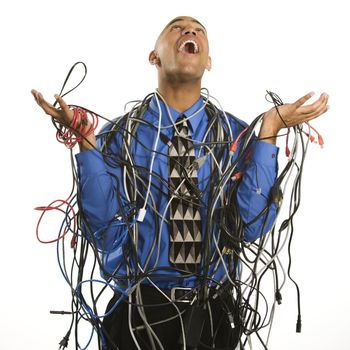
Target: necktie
185,233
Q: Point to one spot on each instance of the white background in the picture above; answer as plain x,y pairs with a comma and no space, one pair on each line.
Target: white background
289,47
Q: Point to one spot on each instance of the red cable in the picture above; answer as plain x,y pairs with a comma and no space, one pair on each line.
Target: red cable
234,145
310,137
287,146
319,137
76,132
50,207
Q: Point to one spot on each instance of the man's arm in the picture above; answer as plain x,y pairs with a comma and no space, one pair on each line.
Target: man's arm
98,192
64,115
254,192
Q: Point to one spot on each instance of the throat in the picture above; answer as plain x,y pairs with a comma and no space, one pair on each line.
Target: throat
181,98
189,48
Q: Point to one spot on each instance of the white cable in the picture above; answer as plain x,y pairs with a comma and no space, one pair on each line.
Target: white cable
256,274
142,314
224,113
131,162
173,124
172,303
221,195
291,157
130,325
142,212
272,313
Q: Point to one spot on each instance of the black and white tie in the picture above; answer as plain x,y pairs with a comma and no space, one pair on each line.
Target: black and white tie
185,231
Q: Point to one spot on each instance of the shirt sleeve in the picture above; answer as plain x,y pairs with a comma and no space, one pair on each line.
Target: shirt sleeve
253,194
102,200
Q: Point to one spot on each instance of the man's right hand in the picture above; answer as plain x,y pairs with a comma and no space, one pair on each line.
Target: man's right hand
64,115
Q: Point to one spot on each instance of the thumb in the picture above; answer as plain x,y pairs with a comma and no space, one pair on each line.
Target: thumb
61,102
67,112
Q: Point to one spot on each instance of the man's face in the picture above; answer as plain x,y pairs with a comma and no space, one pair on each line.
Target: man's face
182,50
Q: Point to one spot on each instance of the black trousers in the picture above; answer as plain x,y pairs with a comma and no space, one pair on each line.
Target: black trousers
164,320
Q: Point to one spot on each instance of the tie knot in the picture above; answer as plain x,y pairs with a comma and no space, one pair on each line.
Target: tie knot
182,123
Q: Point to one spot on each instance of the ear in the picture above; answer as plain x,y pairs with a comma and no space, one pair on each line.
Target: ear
208,66
153,57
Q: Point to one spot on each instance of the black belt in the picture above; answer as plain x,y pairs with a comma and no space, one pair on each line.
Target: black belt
176,294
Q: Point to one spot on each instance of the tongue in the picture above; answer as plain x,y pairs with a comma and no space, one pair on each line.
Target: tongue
189,48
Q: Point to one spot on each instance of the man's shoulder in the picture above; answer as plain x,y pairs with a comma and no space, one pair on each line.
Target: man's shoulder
233,120
110,124
110,130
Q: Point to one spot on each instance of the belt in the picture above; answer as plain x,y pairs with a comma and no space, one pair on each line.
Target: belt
176,294
183,295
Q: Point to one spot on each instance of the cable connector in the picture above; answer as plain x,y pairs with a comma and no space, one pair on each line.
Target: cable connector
64,342
236,176
142,214
234,145
276,195
320,140
226,251
319,137
73,241
199,162
54,312
278,297
232,322
287,150
298,327
311,137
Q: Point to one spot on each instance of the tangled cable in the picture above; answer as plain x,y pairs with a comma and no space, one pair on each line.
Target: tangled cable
79,129
250,309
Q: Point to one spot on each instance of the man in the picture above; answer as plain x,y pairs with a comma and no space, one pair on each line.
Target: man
170,157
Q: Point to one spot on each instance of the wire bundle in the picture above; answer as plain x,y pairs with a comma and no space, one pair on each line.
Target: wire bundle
251,301
80,127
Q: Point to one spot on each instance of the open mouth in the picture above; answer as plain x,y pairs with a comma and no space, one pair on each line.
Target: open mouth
189,46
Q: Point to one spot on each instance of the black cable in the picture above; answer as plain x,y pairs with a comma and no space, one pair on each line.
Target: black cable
226,224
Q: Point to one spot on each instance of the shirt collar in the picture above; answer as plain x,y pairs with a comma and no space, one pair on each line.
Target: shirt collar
193,121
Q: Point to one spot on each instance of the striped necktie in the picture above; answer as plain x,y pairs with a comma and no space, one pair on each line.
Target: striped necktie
185,222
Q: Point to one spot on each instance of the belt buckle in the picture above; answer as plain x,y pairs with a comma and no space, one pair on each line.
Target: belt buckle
181,300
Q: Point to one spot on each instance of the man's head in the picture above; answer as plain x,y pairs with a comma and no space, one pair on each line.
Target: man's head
181,51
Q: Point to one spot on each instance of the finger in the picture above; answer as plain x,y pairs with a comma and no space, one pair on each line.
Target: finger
41,101
46,106
322,108
315,108
34,92
303,99
317,114
62,103
36,95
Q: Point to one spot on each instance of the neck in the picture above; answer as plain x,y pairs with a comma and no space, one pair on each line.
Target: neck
180,96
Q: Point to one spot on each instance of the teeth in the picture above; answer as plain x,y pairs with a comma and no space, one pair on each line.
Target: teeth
189,41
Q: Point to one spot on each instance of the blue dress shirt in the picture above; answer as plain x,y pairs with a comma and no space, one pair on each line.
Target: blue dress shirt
102,192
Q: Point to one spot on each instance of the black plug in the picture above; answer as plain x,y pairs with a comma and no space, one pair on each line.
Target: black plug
276,195
64,342
278,297
298,328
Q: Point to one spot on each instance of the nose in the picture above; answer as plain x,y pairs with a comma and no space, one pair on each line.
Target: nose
189,30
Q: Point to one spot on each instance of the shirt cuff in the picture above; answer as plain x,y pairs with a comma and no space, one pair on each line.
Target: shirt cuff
265,153
90,162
